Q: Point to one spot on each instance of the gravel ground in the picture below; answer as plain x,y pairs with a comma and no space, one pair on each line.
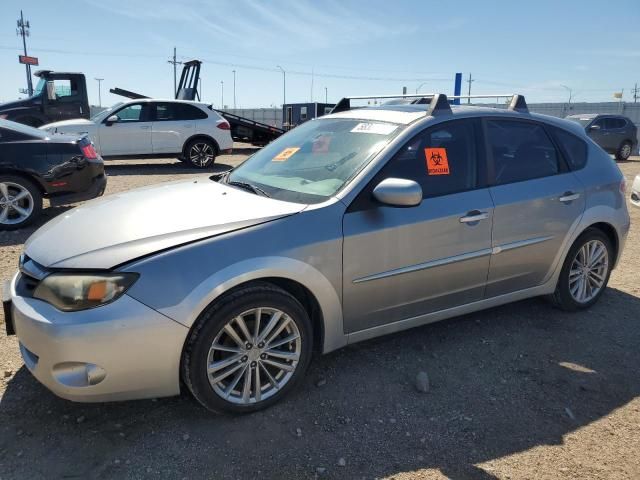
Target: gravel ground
520,391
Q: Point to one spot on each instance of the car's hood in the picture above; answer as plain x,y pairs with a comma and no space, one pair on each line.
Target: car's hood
118,228
16,105
74,125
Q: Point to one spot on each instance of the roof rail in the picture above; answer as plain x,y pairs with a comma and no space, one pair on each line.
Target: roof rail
440,105
438,102
517,103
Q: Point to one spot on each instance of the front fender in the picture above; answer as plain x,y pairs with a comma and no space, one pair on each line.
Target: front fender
187,311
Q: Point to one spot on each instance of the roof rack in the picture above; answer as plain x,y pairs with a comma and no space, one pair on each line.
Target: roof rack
438,102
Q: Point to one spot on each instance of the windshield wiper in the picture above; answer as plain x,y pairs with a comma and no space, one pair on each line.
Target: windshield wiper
340,162
249,187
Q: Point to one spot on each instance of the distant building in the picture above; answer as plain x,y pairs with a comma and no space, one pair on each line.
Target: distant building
294,114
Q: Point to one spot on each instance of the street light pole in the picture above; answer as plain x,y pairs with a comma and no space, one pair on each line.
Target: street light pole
325,95
570,92
99,94
420,86
234,89
284,84
222,94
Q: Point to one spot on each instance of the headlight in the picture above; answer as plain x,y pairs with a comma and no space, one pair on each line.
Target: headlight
71,292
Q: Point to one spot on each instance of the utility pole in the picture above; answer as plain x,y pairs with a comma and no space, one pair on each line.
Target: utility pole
23,31
635,93
311,98
234,89
284,84
222,94
175,72
99,94
470,81
325,95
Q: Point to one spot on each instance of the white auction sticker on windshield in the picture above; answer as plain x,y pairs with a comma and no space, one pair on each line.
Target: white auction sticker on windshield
377,128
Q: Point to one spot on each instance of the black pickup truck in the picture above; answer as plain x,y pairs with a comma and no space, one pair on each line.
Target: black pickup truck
57,96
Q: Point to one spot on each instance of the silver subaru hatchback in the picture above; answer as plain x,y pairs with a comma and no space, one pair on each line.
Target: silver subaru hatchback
364,222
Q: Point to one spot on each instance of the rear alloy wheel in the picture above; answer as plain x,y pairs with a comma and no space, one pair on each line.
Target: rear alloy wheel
20,202
200,153
585,272
624,152
248,350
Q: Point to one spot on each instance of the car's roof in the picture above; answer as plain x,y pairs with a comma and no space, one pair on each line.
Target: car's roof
165,100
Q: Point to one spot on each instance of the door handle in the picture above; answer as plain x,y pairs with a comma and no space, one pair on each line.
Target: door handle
474,216
145,127
569,197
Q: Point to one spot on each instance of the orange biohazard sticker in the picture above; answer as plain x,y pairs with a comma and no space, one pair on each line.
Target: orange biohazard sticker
437,162
286,154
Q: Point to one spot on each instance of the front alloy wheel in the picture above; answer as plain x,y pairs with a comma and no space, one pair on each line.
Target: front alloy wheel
254,356
248,349
201,153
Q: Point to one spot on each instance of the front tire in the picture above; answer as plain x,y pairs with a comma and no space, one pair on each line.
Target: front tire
20,202
624,151
200,153
585,272
247,350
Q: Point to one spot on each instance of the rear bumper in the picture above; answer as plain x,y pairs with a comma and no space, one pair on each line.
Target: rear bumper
96,189
120,351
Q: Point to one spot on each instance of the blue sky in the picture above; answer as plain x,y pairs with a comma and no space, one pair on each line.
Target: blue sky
353,47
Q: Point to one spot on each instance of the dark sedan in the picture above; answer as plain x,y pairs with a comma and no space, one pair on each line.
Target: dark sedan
36,165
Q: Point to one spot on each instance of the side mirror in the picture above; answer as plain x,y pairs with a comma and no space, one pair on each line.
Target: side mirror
398,192
51,91
112,119
594,127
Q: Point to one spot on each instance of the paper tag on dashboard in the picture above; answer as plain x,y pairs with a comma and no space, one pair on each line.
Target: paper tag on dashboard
376,128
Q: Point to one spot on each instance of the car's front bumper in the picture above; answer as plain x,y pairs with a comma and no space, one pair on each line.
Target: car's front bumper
120,351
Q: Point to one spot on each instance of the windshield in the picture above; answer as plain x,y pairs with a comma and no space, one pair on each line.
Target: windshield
315,160
584,121
39,87
105,113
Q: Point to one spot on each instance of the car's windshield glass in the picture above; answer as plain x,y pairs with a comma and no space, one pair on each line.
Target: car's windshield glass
315,160
39,87
104,113
584,121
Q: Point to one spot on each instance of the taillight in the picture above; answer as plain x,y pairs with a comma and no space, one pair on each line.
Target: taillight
89,152
224,126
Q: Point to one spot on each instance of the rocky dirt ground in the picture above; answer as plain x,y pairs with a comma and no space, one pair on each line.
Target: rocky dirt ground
520,391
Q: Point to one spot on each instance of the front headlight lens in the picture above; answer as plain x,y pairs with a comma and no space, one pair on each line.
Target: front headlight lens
71,292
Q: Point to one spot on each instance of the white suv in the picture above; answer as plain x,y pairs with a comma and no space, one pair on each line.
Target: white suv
190,131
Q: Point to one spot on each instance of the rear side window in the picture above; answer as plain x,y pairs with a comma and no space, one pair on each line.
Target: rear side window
521,151
615,123
573,148
188,112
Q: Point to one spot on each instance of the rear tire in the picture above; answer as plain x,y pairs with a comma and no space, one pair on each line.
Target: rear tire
200,153
624,151
585,272
20,202
224,348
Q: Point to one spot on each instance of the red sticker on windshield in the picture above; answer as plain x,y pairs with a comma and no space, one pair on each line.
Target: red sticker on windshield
437,162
